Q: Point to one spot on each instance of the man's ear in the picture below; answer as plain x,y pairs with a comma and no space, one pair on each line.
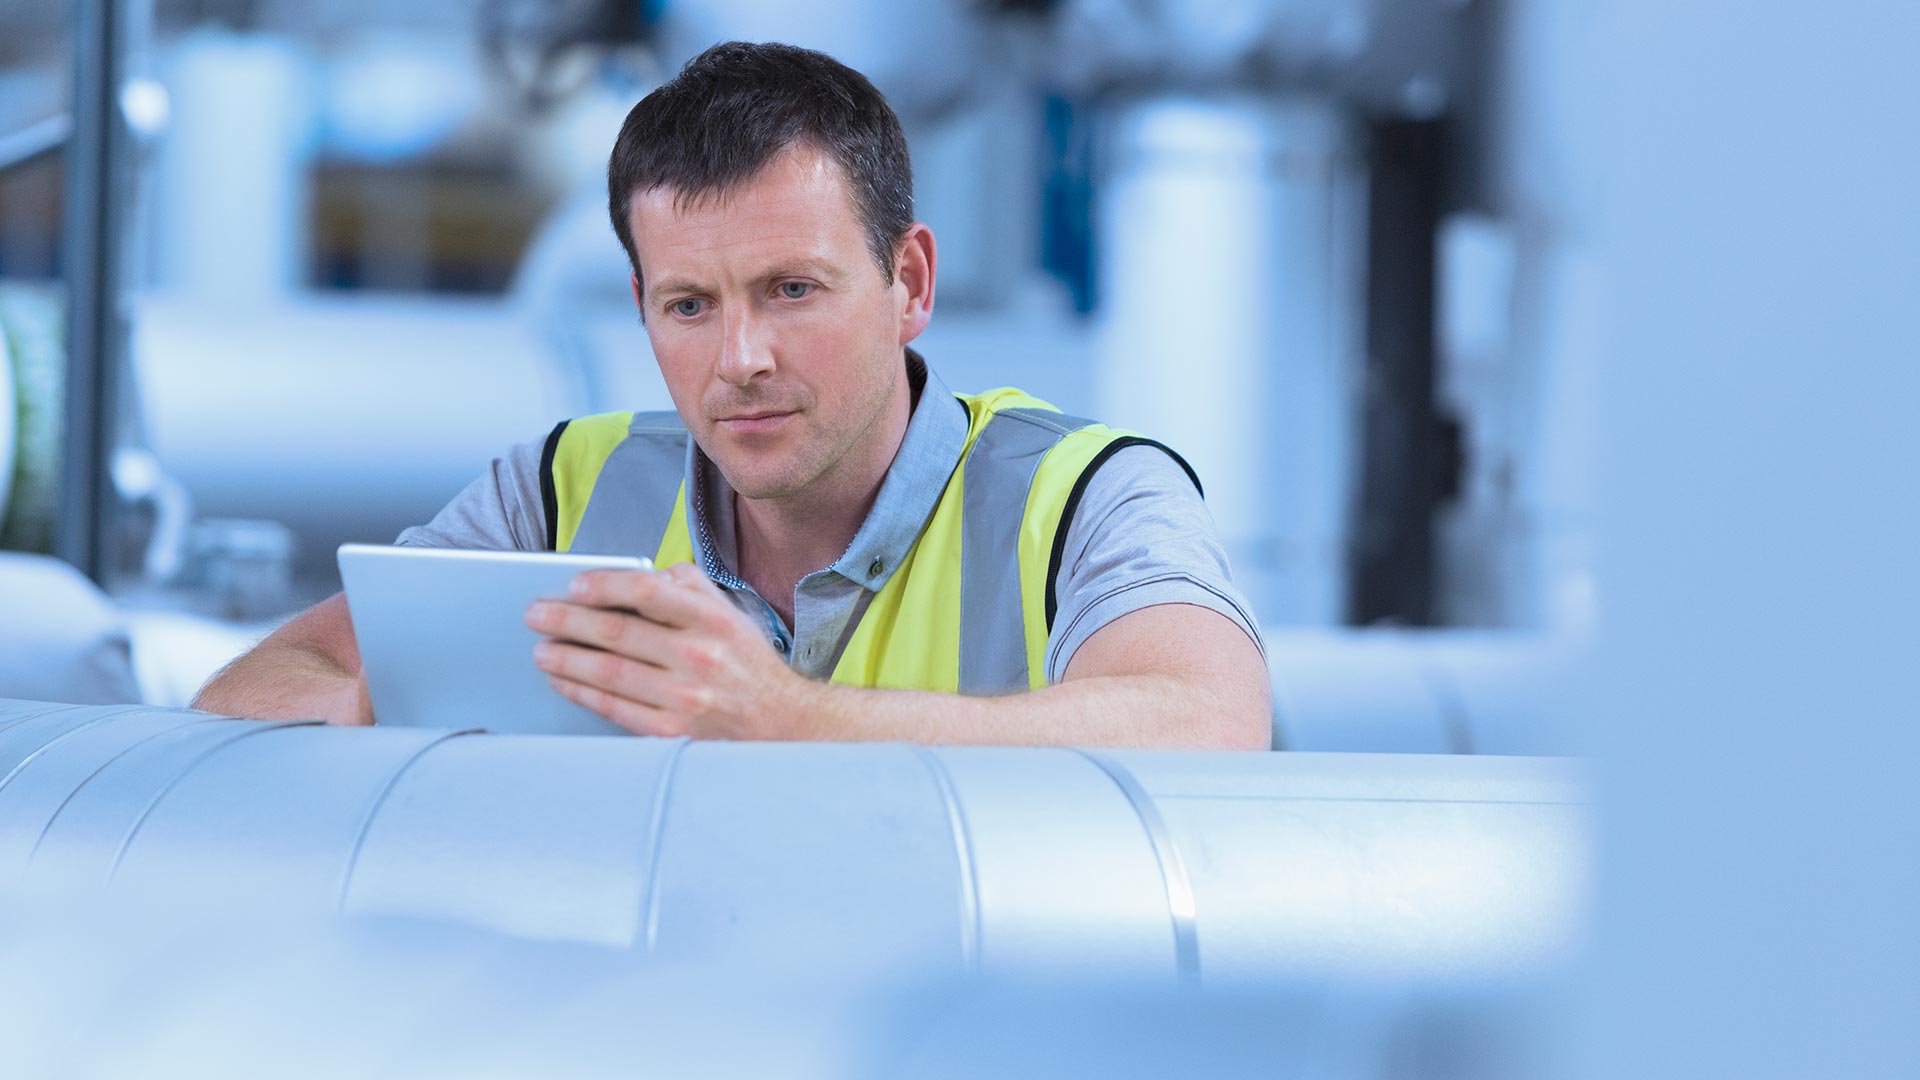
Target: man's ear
634,280
914,262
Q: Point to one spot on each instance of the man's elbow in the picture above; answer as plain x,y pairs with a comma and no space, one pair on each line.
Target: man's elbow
1248,722
1236,716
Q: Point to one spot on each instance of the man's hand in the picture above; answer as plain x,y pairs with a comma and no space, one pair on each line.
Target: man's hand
666,653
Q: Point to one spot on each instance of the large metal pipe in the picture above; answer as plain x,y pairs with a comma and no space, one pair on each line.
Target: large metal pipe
1423,691
877,857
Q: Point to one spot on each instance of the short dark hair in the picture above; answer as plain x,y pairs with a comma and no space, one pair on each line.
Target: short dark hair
733,108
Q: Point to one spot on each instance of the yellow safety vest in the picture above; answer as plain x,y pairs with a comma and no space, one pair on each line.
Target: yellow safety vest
970,606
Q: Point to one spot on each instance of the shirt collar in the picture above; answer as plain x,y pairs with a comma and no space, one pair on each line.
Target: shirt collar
928,454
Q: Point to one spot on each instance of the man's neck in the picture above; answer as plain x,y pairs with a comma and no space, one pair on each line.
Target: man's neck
780,541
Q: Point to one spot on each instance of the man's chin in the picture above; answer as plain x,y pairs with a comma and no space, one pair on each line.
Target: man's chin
750,483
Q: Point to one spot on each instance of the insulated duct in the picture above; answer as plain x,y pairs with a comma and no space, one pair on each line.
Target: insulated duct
1423,691
874,857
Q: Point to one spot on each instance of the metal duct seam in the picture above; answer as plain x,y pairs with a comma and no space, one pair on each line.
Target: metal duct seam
68,799
127,840
1063,872
1180,904
60,738
47,787
373,810
656,829
37,715
963,850
47,825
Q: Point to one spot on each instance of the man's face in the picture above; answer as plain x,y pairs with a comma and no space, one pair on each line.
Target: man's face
779,338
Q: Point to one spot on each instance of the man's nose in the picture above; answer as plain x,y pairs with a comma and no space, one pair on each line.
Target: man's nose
746,352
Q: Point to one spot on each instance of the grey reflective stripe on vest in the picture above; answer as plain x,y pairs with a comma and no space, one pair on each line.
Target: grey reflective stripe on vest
997,478
633,498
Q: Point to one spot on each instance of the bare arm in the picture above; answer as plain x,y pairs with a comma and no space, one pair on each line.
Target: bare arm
1172,675
308,669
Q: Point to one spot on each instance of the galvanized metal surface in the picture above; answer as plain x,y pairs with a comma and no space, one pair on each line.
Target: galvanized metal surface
1203,866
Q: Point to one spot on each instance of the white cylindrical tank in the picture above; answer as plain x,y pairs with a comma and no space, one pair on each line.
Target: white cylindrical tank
1230,241
346,418
230,218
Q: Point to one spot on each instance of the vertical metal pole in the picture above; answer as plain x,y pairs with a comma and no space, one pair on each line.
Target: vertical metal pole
92,253
1411,453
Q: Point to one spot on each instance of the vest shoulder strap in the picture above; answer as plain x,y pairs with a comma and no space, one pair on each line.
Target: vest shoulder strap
1117,442
630,449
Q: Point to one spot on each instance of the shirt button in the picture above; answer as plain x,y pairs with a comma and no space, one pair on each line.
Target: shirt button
874,570
780,643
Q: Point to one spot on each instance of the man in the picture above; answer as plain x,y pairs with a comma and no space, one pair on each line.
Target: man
845,549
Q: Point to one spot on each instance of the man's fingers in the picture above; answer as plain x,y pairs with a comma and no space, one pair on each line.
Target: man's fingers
598,668
633,680
678,596
616,631
634,716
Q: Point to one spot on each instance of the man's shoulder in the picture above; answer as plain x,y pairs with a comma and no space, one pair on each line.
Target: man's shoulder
618,424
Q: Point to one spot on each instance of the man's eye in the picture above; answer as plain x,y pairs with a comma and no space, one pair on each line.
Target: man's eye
795,290
687,308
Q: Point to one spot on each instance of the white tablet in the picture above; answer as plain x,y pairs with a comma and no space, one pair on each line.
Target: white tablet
444,641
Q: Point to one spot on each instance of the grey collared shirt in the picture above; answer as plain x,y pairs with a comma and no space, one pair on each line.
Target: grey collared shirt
1140,537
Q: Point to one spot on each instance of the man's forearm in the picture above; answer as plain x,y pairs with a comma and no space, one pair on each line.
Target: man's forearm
665,653
287,681
1116,710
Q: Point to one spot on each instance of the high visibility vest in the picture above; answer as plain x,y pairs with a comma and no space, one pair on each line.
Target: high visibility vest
967,610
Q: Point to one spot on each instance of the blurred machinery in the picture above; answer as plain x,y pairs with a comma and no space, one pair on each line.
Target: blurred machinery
1263,241
1261,252
1263,283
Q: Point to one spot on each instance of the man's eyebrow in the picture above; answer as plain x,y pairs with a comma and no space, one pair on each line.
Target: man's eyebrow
673,285
801,267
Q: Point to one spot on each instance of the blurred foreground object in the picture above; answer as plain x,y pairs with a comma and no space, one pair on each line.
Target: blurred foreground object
98,991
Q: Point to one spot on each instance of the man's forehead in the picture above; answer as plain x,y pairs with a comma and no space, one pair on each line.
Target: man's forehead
793,214
799,181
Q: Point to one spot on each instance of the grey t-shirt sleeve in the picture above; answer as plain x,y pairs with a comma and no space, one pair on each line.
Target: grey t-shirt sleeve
499,511
1141,536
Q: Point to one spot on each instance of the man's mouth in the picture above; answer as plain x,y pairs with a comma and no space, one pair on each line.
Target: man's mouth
762,420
